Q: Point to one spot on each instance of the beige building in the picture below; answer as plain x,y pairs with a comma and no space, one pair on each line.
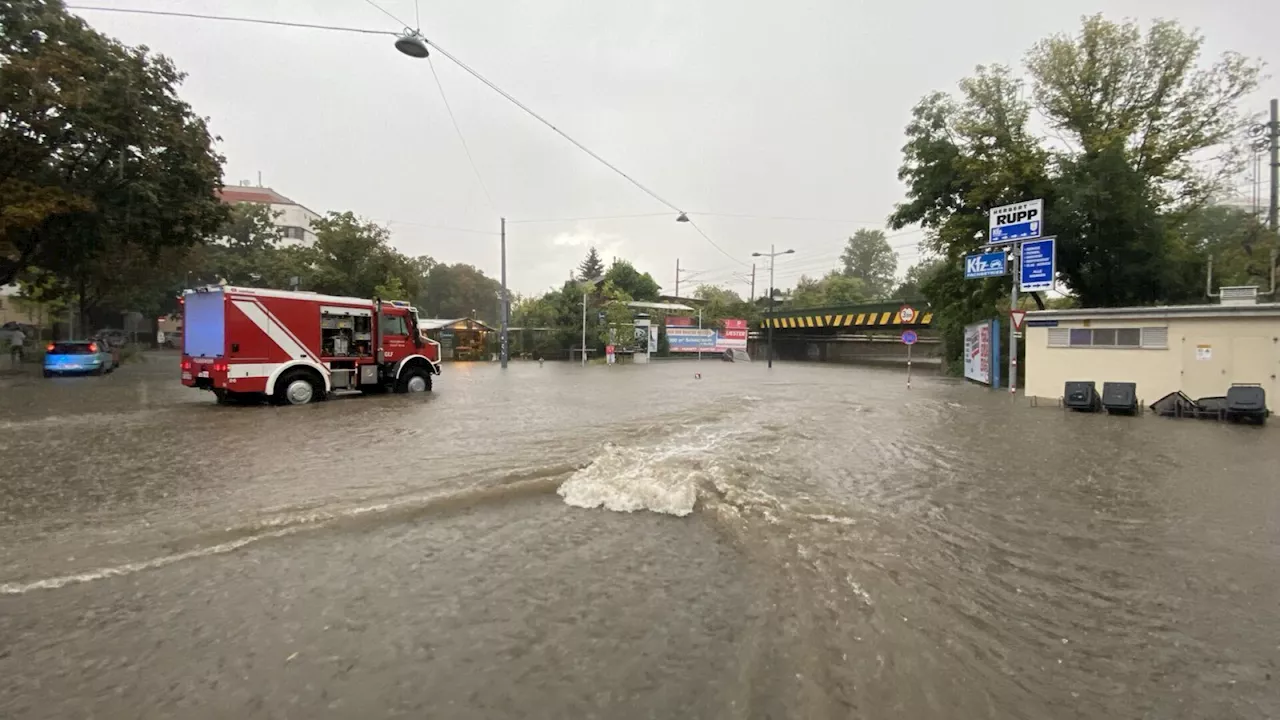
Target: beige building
1198,349
293,219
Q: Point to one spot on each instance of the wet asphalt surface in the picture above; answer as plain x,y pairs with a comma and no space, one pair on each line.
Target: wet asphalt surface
629,542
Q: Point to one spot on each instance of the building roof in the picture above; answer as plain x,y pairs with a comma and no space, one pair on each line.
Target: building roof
673,307
240,193
464,323
1158,312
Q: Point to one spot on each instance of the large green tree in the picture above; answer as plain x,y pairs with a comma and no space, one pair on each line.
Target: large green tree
98,152
591,266
639,286
834,288
247,244
869,258
721,304
917,277
459,290
353,256
1138,132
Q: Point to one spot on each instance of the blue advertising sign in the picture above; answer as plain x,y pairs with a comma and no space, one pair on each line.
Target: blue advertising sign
986,265
1038,259
909,337
691,340
1019,221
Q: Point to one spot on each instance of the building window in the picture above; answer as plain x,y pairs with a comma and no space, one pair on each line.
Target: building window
1153,338
292,232
1129,337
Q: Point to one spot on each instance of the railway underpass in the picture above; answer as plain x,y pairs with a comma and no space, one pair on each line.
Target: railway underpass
863,333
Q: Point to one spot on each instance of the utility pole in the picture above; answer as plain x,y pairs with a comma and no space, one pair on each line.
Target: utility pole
506,303
752,297
771,255
677,277
1273,217
1014,257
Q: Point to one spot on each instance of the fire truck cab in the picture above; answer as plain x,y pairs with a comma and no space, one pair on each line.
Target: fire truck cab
299,347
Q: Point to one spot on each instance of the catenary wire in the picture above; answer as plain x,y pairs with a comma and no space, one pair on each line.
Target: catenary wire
384,11
465,148
225,18
714,245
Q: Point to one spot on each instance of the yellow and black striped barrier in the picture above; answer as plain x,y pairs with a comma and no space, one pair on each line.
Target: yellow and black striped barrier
868,319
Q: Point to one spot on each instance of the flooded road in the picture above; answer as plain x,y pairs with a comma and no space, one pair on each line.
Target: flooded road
629,542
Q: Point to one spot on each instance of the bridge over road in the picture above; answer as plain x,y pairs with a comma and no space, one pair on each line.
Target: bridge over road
868,332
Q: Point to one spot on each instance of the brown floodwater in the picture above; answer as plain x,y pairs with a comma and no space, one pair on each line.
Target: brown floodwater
551,542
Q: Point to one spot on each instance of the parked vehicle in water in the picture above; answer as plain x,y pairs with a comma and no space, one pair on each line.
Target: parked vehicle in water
298,347
115,337
79,357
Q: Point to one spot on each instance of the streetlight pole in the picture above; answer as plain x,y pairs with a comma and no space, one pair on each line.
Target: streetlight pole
503,348
587,285
771,255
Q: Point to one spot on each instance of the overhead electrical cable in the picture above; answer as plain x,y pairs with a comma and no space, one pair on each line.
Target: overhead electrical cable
465,148
225,18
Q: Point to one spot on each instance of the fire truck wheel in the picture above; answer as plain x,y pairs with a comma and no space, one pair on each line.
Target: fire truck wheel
414,380
297,388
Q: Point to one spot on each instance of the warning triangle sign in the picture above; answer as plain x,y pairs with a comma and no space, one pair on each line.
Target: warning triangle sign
1017,317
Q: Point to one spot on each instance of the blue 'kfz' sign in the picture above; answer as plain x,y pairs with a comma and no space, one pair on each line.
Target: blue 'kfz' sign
1038,258
985,265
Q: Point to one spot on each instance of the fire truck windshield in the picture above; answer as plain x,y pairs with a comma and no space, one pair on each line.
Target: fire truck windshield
416,332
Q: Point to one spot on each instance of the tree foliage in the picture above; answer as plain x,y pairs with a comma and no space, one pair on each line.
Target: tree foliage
722,304
917,277
458,290
98,153
637,285
617,325
1130,119
868,258
834,288
591,266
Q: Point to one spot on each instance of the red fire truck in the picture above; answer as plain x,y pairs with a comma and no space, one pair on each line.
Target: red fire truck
297,347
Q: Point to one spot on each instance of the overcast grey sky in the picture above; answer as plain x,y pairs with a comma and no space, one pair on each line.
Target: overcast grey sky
719,106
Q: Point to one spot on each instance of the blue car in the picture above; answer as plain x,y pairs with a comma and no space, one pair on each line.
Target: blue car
78,356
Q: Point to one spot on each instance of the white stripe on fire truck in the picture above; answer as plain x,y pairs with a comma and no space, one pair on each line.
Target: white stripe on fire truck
314,357
272,328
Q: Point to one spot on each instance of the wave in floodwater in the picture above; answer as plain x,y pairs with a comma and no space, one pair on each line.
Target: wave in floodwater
665,477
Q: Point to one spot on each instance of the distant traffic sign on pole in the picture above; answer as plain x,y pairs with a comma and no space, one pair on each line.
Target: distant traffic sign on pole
909,338
1016,317
1019,221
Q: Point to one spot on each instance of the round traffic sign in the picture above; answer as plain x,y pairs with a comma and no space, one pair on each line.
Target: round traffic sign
908,314
909,337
